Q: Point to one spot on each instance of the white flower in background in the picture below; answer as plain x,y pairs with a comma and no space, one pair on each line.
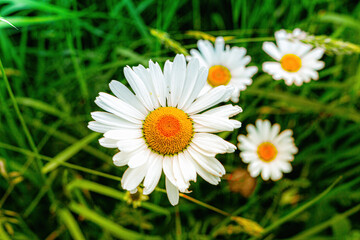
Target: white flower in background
296,62
163,126
297,34
226,66
266,150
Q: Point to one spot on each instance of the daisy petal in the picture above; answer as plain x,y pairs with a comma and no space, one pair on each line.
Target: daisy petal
172,192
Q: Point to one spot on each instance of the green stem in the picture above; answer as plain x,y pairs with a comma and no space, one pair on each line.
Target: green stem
205,205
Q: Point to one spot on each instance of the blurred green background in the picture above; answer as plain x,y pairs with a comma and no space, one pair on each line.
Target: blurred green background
57,182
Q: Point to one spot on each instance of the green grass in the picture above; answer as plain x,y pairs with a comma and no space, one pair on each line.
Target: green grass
57,182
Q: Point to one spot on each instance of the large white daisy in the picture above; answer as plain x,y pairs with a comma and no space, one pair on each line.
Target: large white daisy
226,66
267,151
296,62
163,126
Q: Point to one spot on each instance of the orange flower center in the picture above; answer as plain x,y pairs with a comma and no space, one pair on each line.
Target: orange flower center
168,130
290,62
218,75
267,152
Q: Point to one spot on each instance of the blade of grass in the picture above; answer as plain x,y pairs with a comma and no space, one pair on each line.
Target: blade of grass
139,22
110,192
68,153
307,105
71,224
31,21
40,106
318,228
299,209
3,234
105,223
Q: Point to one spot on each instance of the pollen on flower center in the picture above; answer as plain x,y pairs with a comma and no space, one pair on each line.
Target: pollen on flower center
290,62
168,130
218,75
267,152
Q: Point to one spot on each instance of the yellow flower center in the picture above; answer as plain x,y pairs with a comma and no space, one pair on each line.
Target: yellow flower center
168,130
290,62
218,75
267,151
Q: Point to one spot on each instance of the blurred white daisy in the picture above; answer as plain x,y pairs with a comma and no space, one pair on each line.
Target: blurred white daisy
267,151
163,126
226,66
296,62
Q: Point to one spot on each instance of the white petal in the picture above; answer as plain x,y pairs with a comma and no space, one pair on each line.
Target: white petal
168,169
187,166
139,88
218,124
212,143
180,181
198,87
210,164
119,108
159,82
314,54
214,96
271,49
167,74
283,135
265,132
120,134
113,120
172,192
177,79
206,50
246,144
276,174
130,144
265,173
140,157
225,111
254,169
133,191
99,127
274,131
121,159
133,177
254,136
196,54
108,143
285,166
145,76
192,72
214,180
153,174
124,94
249,156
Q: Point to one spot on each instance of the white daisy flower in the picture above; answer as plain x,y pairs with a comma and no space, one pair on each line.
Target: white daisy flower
267,151
296,62
163,126
226,66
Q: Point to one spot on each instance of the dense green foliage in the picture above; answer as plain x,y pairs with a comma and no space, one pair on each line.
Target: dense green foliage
57,182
